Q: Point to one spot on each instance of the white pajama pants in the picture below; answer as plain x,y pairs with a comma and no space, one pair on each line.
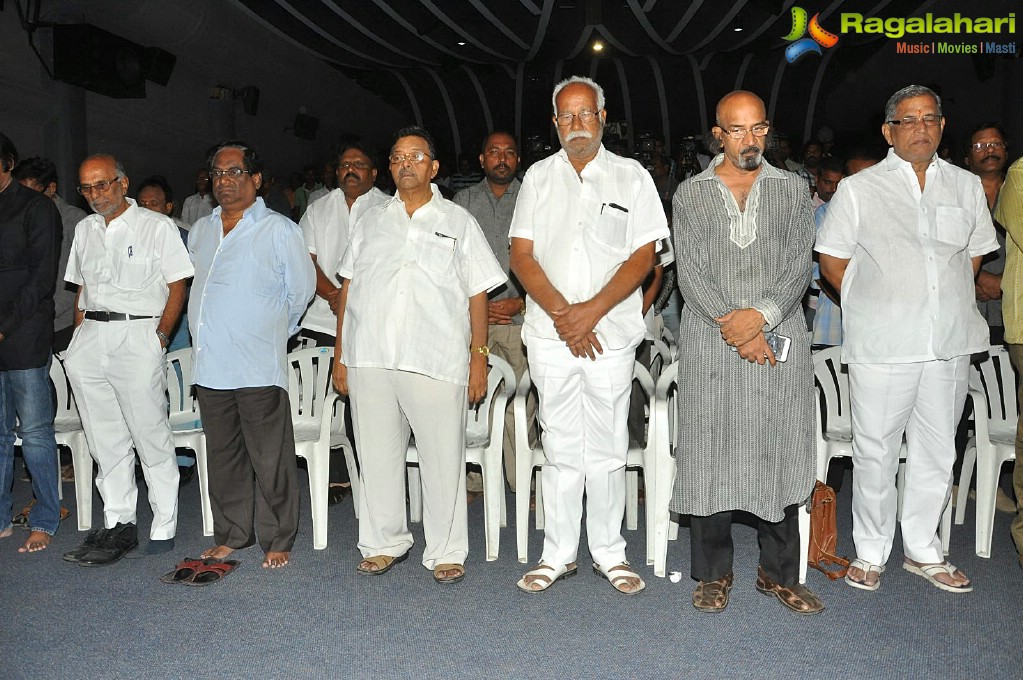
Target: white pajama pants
117,372
584,410
386,405
924,400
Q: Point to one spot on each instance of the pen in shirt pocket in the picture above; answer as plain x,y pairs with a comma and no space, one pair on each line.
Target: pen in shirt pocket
612,205
454,241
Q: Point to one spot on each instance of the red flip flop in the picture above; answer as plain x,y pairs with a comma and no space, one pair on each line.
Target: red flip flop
211,573
185,570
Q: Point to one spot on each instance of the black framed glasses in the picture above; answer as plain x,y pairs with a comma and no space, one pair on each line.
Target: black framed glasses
101,187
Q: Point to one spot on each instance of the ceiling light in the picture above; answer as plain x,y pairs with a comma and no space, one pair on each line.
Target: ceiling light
598,46
461,43
736,26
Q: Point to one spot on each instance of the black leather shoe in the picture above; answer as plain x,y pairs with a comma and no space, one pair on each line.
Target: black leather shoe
93,540
118,541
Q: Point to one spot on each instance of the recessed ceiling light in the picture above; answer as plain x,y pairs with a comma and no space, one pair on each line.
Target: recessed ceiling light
598,46
461,43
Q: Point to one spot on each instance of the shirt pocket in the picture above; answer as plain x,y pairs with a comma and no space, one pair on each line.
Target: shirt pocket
436,253
611,228
136,272
953,227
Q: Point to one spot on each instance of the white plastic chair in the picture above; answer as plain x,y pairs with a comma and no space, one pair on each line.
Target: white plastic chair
186,424
528,458
659,494
484,440
318,427
993,392
67,430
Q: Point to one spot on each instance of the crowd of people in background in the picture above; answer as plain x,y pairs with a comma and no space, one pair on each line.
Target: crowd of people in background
416,271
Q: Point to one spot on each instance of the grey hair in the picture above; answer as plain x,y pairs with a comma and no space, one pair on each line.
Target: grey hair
118,168
909,92
597,89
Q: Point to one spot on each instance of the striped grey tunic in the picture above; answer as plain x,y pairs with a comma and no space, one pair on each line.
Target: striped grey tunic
745,431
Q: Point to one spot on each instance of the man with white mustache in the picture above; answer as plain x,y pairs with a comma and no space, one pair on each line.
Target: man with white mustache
583,239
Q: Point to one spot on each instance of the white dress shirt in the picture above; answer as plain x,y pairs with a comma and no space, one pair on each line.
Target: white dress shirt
583,229
196,207
127,264
908,292
326,227
411,280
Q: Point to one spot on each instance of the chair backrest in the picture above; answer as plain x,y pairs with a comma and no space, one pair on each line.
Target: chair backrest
642,377
660,356
832,379
308,382
500,388
995,378
67,411
184,407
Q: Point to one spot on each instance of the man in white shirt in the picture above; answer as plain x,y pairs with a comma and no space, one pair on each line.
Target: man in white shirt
583,239
902,242
201,203
411,347
130,267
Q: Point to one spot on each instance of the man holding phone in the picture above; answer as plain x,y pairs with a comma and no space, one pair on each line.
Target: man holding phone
744,233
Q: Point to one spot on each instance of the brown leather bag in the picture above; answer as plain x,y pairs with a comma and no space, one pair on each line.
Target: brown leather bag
824,533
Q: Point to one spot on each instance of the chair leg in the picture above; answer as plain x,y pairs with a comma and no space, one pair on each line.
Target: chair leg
965,477
540,520
988,468
631,499
353,477
804,541
493,493
60,484
415,494
318,464
82,460
900,483
204,486
945,529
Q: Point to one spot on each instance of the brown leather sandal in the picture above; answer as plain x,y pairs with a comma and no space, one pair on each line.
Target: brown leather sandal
712,596
454,578
383,564
797,598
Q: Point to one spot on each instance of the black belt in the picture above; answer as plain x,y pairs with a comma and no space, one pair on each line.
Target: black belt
114,316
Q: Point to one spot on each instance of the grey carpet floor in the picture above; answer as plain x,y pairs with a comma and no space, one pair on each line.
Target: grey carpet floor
317,618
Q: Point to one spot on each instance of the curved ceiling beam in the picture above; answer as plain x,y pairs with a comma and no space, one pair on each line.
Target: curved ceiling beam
602,29
520,81
620,67
354,23
640,15
384,7
463,34
330,38
741,75
701,98
416,111
762,28
541,29
776,87
662,99
482,9
814,92
487,118
720,27
533,9
584,37
684,21
446,96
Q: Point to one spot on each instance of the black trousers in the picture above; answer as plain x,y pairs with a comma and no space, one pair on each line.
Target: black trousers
250,449
711,547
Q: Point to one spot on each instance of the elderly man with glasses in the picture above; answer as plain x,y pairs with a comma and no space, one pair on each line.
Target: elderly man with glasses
903,241
583,239
130,267
743,237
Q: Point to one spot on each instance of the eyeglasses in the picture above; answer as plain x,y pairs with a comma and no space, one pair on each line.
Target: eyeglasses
585,117
758,130
981,146
497,153
929,120
101,187
412,157
233,173
358,165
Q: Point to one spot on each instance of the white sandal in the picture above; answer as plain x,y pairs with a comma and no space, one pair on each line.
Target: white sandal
928,571
545,575
866,568
618,576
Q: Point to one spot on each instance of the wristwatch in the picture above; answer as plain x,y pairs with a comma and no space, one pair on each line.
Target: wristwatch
482,349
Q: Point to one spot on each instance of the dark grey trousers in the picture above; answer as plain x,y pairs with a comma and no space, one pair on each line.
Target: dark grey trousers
711,547
250,449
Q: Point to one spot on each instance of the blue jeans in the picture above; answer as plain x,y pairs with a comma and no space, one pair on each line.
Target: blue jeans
28,395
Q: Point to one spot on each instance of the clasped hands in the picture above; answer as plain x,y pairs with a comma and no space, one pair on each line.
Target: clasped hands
574,324
744,330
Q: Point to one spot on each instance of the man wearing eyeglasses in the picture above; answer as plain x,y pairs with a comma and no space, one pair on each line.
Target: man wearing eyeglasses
130,267
743,236
253,280
492,202
986,157
583,239
903,241
411,348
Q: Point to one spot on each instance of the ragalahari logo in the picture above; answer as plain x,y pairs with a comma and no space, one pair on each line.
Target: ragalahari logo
801,46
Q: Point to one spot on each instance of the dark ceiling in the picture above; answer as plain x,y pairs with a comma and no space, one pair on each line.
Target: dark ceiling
462,67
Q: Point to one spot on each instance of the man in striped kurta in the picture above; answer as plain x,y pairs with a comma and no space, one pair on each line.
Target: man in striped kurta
744,233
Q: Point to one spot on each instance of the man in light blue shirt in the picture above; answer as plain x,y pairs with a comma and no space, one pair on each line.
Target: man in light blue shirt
253,282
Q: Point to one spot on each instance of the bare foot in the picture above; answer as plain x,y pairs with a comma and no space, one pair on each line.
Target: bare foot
217,552
957,579
275,560
36,541
6,532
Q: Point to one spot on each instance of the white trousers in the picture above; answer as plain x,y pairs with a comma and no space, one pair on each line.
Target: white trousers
117,372
923,400
386,405
584,409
